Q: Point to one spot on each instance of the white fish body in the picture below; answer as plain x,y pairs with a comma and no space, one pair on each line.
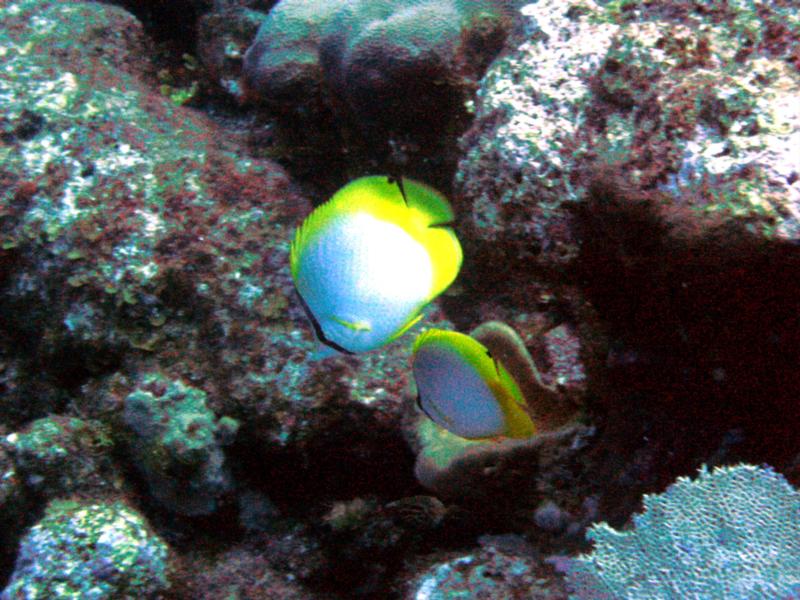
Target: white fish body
366,263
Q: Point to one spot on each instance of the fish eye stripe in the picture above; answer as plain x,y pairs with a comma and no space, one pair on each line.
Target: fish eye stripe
443,418
422,408
399,181
442,225
318,329
494,361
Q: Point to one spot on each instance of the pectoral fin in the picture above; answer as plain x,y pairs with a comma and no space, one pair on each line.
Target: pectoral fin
354,325
405,328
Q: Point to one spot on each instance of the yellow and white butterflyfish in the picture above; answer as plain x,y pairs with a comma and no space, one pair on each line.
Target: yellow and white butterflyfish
464,389
367,261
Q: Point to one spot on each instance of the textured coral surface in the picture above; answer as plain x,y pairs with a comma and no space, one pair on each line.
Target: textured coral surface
626,191
730,533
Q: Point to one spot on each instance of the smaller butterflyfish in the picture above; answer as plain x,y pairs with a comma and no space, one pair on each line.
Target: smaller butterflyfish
463,388
367,261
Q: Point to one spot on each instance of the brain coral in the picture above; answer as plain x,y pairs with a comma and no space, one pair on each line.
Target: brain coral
396,61
389,64
731,533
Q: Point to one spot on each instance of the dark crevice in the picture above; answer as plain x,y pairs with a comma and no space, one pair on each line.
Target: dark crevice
173,22
706,318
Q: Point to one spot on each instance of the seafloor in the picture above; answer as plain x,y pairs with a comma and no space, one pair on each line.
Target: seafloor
625,178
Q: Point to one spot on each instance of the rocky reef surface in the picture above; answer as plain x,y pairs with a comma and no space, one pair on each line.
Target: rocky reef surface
627,193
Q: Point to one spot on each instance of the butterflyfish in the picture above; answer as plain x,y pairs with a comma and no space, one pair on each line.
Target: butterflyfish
463,388
366,262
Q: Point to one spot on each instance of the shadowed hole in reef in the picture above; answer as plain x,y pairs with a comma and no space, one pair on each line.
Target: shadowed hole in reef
707,316
173,21
351,455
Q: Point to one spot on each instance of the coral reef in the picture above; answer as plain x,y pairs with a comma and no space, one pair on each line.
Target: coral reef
177,444
363,542
60,456
626,199
729,533
381,81
406,67
14,510
612,168
503,567
97,551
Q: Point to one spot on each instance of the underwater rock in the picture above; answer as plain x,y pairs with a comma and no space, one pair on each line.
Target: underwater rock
92,551
407,66
708,114
177,444
365,542
23,395
136,231
635,159
498,569
15,509
49,159
60,456
222,39
550,517
245,573
281,66
314,417
699,105
520,157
